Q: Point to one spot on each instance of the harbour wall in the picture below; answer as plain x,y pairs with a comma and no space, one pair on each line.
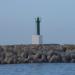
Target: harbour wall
43,53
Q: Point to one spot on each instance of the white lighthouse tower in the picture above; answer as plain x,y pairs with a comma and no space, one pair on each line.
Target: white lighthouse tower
37,39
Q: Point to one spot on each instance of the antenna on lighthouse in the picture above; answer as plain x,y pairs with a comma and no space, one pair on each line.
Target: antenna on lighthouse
37,20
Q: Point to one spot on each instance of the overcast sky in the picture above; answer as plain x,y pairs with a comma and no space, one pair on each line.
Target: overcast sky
17,21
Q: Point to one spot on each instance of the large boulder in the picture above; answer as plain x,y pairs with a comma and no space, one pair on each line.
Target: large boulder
66,58
55,59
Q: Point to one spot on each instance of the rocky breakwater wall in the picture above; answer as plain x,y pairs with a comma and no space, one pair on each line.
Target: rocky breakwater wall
46,53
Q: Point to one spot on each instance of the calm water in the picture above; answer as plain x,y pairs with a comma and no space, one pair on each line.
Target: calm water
38,69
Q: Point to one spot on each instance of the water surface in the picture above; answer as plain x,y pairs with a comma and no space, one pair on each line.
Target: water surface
38,69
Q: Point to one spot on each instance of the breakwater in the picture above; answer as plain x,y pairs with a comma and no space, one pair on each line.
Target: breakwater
45,53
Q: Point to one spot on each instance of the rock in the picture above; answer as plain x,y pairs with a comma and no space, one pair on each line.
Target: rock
44,58
66,58
48,58
72,60
72,56
55,59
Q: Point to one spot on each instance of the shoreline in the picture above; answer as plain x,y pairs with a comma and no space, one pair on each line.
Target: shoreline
43,53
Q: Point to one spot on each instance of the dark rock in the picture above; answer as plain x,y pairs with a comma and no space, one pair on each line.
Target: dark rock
66,58
73,61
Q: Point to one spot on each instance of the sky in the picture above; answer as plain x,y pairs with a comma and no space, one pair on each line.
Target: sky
17,21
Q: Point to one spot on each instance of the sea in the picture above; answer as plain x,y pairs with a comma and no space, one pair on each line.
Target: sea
38,69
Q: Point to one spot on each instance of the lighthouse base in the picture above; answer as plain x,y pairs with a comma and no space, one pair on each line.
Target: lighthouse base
37,39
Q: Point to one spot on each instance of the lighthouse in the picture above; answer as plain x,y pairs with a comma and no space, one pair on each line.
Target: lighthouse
37,38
